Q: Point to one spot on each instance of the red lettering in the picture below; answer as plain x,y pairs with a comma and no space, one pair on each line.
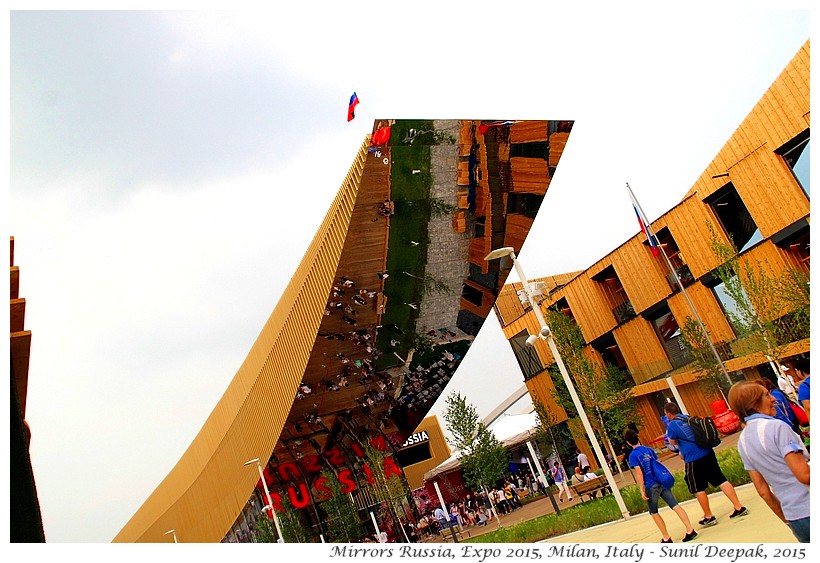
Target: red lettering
345,478
268,472
312,464
322,492
277,502
335,457
368,473
302,500
390,467
379,443
357,449
288,471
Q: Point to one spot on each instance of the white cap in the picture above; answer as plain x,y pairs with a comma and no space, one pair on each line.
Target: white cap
784,368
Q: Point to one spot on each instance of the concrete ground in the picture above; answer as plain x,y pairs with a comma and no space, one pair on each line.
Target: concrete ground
759,526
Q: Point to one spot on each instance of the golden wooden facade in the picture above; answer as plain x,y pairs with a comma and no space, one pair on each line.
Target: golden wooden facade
439,452
248,419
210,495
750,160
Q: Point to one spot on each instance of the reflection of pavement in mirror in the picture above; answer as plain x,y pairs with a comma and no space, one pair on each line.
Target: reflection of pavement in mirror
448,251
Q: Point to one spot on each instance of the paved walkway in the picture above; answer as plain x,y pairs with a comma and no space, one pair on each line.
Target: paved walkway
759,526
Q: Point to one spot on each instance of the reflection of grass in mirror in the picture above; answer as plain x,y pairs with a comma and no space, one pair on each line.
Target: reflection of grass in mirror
409,193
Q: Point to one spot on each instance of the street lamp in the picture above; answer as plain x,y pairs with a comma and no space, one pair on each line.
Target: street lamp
546,334
270,500
172,532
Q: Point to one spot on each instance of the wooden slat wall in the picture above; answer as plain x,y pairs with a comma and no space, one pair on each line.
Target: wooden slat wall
773,197
249,417
517,227
589,307
771,209
529,175
465,137
558,142
641,274
541,388
641,349
689,222
439,451
779,116
528,131
507,305
708,309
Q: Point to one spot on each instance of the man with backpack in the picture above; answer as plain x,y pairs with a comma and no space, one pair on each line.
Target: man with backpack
702,467
653,486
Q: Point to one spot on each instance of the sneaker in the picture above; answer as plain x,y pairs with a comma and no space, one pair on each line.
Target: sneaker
742,511
667,540
706,522
690,536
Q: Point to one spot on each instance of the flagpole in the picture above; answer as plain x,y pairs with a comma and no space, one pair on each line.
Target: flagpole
680,284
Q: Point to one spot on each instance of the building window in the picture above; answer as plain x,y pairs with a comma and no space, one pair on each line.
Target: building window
734,217
668,330
676,259
611,354
479,226
524,204
527,357
538,149
796,241
796,153
561,306
730,307
615,294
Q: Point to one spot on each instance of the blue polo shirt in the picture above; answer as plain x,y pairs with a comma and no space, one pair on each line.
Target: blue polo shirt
803,390
642,457
679,431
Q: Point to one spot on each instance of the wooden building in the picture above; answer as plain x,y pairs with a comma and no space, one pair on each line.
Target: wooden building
755,193
379,314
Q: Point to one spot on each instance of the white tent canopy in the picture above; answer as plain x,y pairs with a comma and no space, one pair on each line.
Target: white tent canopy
510,430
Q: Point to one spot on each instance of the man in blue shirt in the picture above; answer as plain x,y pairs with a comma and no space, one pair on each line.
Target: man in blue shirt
640,459
702,467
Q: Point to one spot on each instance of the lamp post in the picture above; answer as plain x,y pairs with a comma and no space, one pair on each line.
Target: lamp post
174,532
546,334
270,500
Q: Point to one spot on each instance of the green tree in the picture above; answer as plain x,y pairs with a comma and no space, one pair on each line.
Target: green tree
342,519
550,432
483,458
707,368
264,528
603,390
290,520
388,487
769,310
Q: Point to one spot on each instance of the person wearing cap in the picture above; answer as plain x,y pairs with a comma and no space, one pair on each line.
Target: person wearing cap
786,383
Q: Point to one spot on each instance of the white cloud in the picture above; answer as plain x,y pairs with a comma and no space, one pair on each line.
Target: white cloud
155,242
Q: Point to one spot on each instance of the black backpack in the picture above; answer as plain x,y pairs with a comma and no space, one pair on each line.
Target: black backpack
705,431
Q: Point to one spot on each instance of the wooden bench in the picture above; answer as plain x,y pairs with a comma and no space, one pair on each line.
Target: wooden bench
447,533
590,487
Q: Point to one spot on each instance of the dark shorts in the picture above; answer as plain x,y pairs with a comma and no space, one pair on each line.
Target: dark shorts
703,472
657,492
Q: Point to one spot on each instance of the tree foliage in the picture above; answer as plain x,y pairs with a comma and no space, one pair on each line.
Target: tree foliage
342,519
483,458
603,389
389,488
769,310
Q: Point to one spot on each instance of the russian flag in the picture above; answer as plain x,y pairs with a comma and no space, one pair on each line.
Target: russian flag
647,230
351,107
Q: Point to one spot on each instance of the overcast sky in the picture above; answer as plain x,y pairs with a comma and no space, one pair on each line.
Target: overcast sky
169,169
